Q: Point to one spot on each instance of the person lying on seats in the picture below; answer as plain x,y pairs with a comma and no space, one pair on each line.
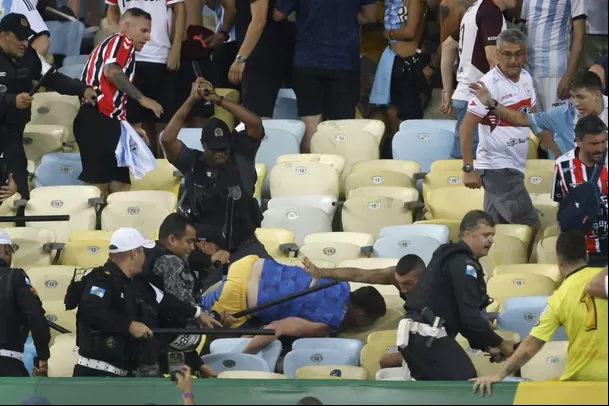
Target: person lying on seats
253,281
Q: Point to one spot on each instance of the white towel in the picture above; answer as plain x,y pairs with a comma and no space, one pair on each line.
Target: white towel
133,152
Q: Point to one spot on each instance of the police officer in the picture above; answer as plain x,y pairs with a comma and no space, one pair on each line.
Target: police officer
20,65
451,296
220,181
109,309
20,311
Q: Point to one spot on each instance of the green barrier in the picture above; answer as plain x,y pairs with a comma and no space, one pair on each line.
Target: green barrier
114,391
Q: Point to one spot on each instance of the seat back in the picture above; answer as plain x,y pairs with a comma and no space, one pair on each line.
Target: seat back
161,178
348,346
39,139
335,161
51,282
334,252
332,372
441,179
58,173
323,202
523,232
359,239
270,353
162,198
549,363
369,263
429,125
539,176
451,165
371,215
235,361
64,355
390,336
405,194
546,251
408,168
146,217
272,238
377,177
503,287
295,127
423,146
374,127
261,173
398,246
549,270
521,314
303,178
372,353
52,108
274,144
55,311
311,357
302,221
439,232
28,243
505,251
86,253
454,203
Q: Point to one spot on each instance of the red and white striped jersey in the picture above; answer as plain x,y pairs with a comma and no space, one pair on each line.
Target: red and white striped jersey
117,49
570,172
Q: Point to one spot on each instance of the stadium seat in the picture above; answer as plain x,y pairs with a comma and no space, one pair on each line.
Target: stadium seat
285,106
273,238
332,372
546,251
359,239
405,194
408,168
374,127
453,226
393,374
389,336
353,145
422,145
161,198
39,139
75,60
52,108
321,263
73,71
369,263
376,177
250,375
190,137
8,209
520,231
162,178
261,173
311,357
55,172
370,215
64,355
389,321
503,287
549,363
505,251
91,235
334,252
86,253
429,125
479,358
395,246
295,127
335,161
534,143
454,203
274,144
348,346
303,178
33,246
235,361
441,179
225,345
450,165
302,221
546,208
552,231
439,232
521,314
219,112
539,176
372,353
549,270
76,201
146,217
51,282
55,311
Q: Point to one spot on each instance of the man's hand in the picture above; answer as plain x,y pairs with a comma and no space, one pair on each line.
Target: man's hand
446,107
42,370
207,91
480,90
484,382
235,74
311,268
472,180
8,190
207,320
214,41
563,87
24,101
207,372
496,355
195,90
184,379
221,256
227,319
91,96
139,330
173,60
142,134
507,348
150,104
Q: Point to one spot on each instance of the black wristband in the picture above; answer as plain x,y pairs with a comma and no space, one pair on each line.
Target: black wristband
494,106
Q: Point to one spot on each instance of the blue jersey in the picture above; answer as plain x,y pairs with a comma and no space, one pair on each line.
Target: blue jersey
328,306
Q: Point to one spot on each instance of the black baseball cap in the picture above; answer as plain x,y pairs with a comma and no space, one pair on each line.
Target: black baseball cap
216,134
213,234
18,25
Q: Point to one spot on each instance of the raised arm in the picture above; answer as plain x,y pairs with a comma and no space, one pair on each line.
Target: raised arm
372,276
598,286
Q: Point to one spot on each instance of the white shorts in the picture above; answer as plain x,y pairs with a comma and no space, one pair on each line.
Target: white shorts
547,92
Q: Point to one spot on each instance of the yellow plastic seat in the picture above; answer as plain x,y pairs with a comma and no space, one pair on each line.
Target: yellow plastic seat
453,225
505,251
502,287
40,139
405,194
55,311
454,203
551,271
51,282
146,217
261,172
448,165
539,176
359,239
332,372
408,168
250,375
549,363
377,177
321,263
334,252
335,161
304,178
389,321
480,360
8,209
441,179
382,336
64,355
546,251
162,178
374,127
219,112
91,235
31,246
520,231
372,353
370,215
52,108
534,143
86,253
162,198
272,238
552,231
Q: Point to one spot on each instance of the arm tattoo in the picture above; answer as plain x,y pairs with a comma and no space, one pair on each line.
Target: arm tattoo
517,363
444,11
122,82
532,345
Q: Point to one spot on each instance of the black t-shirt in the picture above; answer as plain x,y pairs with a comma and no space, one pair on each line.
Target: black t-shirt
222,178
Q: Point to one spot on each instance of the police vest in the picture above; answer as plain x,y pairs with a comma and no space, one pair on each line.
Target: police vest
7,307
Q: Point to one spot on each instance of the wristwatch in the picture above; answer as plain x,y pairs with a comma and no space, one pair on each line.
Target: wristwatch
493,106
240,59
467,168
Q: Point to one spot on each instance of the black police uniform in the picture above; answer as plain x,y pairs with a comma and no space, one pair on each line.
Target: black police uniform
16,76
453,288
223,195
20,311
108,303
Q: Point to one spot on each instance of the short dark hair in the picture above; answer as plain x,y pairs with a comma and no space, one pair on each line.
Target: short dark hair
137,13
174,224
369,300
589,125
571,246
309,400
587,80
473,219
409,263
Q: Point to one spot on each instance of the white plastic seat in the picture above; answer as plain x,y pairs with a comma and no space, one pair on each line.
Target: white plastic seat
38,139
454,203
302,221
374,127
408,168
348,346
325,203
539,175
546,251
372,353
423,146
270,353
64,355
359,239
371,215
52,108
295,127
55,311
303,178
33,246
376,177
332,372
549,363
261,174
311,357
439,232
51,282
442,179
521,314
506,250
146,217
162,198
447,165
235,361
549,270
58,173
369,263
91,235
335,252
335,161
8,209
398,246
405,194
502,287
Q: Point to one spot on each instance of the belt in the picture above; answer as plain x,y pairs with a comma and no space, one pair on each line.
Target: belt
12,354
101,366
409,326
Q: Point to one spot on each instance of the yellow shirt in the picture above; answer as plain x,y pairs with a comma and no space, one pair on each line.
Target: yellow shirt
585,322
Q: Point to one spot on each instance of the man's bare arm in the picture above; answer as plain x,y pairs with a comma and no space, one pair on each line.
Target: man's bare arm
372,276
525,352
597,286
115,74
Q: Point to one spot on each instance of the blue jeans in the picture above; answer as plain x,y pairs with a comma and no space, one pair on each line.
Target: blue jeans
460,107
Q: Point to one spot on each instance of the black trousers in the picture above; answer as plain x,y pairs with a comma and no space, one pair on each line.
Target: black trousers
444,361
11,145
10,367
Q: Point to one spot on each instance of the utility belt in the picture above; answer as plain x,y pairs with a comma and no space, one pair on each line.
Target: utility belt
409,326
102,366
12,354
405,65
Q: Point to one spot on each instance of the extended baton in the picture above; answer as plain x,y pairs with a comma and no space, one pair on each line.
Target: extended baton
38,85
214,331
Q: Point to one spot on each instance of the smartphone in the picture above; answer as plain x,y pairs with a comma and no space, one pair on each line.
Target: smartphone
175,360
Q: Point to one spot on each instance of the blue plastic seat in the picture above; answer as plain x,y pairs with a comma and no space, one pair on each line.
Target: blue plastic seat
439,232
423,145
73,71
191,137
348,346
294,127
60,156
56,172
520,314
274,144
285,105
396,246
235,361
428,125
311,357
270,353
75,60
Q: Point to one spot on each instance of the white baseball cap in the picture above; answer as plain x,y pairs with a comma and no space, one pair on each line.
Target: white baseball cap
5,239
128,239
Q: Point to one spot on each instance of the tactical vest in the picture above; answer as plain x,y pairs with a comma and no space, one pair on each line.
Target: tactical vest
7,307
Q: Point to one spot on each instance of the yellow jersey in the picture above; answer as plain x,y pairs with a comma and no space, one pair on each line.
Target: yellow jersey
585,322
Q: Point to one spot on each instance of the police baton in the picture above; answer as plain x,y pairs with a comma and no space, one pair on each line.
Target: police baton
214,331
58,328
38,85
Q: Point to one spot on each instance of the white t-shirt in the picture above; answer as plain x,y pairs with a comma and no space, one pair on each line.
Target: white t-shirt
157,49
28,9
502,145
